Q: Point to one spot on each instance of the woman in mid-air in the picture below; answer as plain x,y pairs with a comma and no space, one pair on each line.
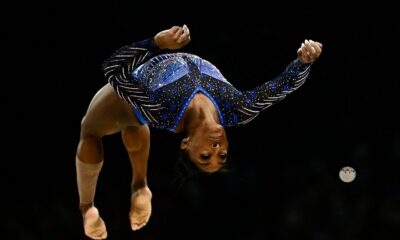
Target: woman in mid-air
178,92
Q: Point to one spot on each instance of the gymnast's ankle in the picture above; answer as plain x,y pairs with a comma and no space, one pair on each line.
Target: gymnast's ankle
83,207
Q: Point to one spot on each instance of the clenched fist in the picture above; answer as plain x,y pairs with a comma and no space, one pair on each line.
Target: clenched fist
173,38
309,51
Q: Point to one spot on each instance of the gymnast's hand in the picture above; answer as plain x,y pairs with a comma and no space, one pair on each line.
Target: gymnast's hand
309,51
173,38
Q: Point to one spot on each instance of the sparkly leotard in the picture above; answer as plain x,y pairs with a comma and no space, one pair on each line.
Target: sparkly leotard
160,87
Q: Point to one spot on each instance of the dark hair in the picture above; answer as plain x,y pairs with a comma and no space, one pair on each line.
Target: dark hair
187,170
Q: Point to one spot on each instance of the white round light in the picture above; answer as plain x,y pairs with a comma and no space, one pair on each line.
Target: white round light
347,174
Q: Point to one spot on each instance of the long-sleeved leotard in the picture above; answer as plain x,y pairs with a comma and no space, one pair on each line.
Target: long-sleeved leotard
160,87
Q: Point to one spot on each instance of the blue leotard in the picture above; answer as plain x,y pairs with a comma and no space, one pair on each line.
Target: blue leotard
160,87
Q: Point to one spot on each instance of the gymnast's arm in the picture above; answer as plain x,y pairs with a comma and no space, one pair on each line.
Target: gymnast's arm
118,68
123,61
271,92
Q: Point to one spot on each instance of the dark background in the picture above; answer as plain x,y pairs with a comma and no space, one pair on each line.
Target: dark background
284,181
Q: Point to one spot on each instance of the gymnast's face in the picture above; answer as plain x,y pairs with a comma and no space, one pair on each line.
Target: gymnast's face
207,148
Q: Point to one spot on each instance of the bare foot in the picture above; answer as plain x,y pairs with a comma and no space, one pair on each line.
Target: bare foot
140,208
95,228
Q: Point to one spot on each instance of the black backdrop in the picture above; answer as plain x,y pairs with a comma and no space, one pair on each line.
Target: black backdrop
284,181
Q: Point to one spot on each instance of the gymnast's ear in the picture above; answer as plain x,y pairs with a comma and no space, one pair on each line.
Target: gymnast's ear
184,143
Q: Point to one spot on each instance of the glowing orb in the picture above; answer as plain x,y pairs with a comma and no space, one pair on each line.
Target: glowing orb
347,174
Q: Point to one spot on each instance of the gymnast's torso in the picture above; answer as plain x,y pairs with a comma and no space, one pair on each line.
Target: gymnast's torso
173,80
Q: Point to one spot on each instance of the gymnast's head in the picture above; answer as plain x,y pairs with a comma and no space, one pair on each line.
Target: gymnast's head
206,148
